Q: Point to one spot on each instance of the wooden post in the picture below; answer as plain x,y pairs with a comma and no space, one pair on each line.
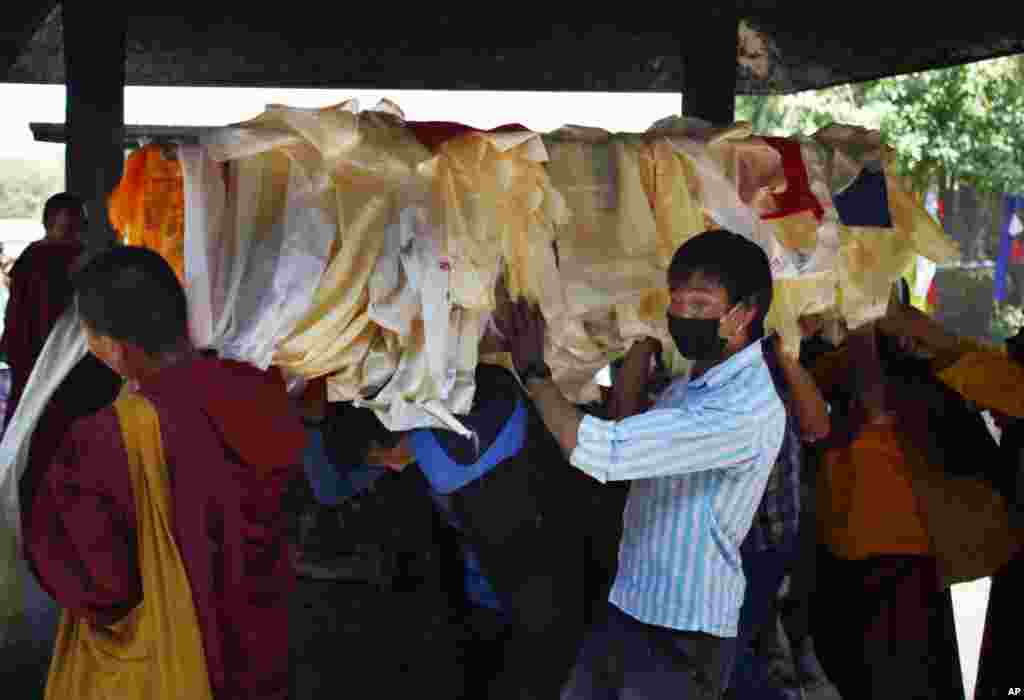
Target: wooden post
709,52
94,63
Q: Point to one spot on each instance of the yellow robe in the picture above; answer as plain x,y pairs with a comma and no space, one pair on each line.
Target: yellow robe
156,651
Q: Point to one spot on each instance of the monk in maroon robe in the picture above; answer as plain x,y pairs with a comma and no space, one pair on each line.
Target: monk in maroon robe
40,290
232,441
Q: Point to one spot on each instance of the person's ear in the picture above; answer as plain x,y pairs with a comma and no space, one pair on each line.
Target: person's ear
109,351
739,320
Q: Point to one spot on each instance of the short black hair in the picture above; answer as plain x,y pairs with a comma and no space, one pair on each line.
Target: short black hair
736,263
1015,346
64,201
131,294
904,291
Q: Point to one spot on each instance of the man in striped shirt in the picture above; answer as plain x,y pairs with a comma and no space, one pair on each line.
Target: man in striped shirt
699,462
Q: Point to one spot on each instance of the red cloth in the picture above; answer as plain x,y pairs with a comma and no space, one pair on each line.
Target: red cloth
232,442
887,637
1017,251
40,291
933,295
90,386
433,134
798,196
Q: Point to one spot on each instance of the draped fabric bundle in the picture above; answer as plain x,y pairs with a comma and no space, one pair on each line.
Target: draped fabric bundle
358,246
607,251
839,228
377,318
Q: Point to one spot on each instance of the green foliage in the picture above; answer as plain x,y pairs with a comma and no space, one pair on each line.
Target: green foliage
1006,321
961,125
26,185
767,114
806,112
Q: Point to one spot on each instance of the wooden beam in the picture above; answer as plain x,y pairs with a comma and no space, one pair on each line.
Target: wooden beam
94,61
133,134
709,51
21,20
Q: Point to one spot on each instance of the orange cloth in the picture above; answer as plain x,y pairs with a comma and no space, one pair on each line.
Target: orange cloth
989,378
398,457
866,501
148,205
875,494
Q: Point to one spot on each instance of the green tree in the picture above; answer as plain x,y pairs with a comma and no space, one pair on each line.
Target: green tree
959,130
960,125
766,113
806,112
26,185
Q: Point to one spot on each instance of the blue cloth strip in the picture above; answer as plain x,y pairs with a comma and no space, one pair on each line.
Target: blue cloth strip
1011,203
334,484
446,475
865,202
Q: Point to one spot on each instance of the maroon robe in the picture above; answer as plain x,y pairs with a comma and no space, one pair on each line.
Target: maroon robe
90,386
232,442
40,291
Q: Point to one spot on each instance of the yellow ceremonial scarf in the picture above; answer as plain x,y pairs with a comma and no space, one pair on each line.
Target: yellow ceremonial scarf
156,651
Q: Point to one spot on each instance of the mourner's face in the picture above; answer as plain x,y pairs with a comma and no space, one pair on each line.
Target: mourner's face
65,225
701,321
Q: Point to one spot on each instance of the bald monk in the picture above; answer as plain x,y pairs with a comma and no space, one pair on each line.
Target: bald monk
231,441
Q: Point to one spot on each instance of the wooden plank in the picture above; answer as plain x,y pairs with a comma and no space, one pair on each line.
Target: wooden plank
255,45
133,134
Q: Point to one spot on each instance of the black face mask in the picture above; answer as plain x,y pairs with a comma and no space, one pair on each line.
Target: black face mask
899,363
697,338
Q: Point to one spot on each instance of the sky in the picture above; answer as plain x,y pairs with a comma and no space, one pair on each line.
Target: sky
218,106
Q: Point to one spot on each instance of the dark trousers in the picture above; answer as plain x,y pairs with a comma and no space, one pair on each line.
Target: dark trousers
881,628
795,608
764,572
999,667
532,555
600,507
485,635
625,659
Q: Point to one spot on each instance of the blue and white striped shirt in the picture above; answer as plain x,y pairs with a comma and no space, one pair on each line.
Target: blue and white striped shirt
699,462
